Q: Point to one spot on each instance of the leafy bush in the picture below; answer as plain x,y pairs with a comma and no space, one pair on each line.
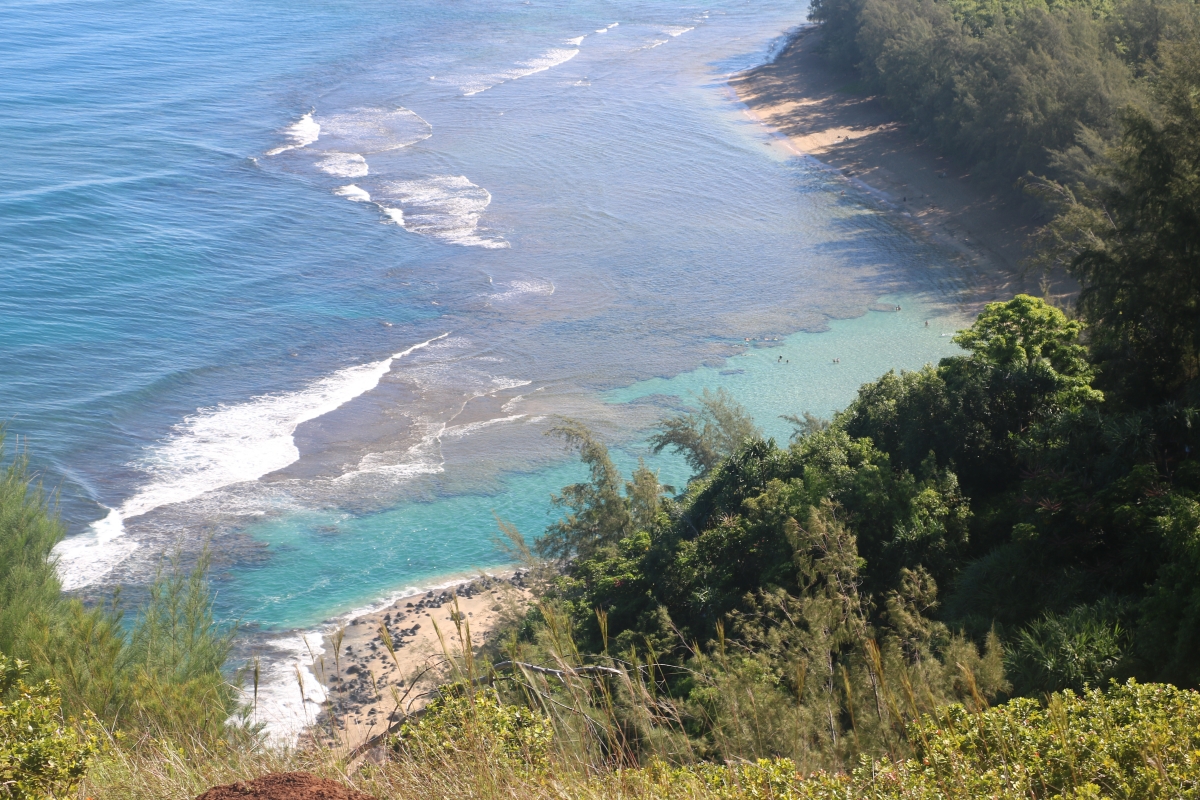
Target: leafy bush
1131,741
1069,651
477,724
42,755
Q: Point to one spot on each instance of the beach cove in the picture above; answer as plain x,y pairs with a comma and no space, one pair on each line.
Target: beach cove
383,265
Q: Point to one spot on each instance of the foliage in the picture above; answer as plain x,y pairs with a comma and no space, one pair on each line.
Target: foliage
42,754
1139,271
29,589
1024,367
707,435
1132,740
1070,651
1015,87
597,511
479,723
791,596
161,672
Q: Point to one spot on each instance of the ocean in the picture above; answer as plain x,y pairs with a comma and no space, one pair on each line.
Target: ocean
306,283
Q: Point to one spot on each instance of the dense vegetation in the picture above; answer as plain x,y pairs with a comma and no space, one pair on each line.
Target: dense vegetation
1017,520
159,671
1013,86
958,587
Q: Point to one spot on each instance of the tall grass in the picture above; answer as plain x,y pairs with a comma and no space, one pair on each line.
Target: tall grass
1131,741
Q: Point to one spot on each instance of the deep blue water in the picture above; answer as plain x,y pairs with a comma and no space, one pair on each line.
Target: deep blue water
219,221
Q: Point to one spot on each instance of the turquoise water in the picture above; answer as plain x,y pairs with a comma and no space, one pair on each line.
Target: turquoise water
307,283
350,560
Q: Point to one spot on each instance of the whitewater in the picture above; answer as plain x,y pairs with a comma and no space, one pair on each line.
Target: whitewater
308,286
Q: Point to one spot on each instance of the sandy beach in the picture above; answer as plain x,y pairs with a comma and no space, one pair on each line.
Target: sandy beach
823,112
370,687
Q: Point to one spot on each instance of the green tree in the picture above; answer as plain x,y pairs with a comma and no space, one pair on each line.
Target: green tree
603,510
162,672
1141,279
30,594
707,435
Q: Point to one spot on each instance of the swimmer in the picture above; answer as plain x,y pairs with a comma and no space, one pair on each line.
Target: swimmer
926,323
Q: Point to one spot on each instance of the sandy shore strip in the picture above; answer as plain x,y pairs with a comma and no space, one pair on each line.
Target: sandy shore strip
824,113
369,687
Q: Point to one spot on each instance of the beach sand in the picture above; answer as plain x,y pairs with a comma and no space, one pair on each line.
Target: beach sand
822,112
369,689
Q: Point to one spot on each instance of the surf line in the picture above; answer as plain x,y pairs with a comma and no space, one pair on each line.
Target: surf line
212,449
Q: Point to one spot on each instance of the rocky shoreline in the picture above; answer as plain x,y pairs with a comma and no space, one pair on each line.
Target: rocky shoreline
383,665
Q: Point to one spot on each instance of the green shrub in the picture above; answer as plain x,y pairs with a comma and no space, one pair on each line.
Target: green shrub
1134,740
478,724
42,755
1131,741
1068,651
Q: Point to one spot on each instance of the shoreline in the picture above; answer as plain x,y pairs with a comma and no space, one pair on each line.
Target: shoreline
815,111
367,687
811,111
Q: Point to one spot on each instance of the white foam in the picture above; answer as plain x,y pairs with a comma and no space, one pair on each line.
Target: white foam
677,30
551,58
214,448
284,705
372,130
518,288
352,192
459,431
343,165
302,132
578,40
445,207
422,458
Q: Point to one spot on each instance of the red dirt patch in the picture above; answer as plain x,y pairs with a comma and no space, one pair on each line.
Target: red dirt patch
284,786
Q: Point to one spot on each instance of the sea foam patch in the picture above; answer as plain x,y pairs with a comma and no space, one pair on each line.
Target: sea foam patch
343,165
302,132
515,289
445,207
289,695
214,448
370,130
349,134
475,84
352,192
